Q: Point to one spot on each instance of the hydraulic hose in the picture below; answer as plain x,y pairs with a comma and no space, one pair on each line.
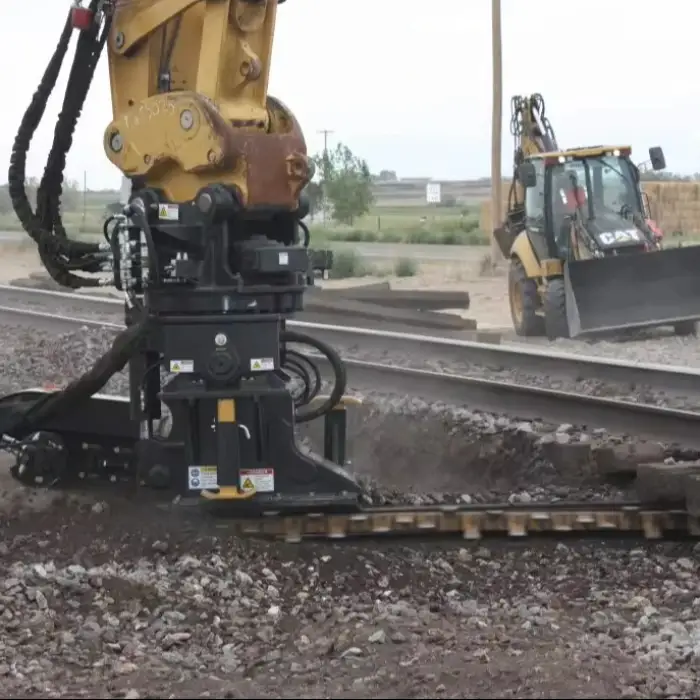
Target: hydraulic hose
56,251
340,378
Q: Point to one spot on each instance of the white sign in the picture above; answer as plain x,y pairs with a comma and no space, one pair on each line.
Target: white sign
169,212
260,480
262,364
202,478
182,366
433,194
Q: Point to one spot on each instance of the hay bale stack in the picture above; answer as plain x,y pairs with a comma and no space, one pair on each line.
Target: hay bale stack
675,206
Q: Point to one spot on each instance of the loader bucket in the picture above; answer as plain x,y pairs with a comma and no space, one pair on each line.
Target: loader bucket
632,290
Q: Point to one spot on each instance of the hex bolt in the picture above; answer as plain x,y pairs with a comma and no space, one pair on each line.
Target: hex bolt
115,142
186,120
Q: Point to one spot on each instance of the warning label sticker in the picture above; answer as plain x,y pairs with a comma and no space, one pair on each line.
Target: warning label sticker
181,366
262,364
260,480
169,212
202,478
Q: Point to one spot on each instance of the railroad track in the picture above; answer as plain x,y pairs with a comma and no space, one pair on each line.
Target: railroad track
526,402
529,360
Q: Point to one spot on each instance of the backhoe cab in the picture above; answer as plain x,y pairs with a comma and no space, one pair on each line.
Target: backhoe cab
585,256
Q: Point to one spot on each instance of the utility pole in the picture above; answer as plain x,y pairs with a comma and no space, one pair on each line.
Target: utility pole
325,133
496,125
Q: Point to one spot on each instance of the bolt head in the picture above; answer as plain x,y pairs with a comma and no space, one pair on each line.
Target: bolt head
115,142
186,119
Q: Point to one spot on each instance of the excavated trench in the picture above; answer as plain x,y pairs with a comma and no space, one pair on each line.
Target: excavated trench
406,450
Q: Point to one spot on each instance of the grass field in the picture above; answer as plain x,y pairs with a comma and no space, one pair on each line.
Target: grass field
384,224
408,224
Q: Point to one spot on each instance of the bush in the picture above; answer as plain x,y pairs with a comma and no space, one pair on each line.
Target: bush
390,237
405,267
348,264
459,229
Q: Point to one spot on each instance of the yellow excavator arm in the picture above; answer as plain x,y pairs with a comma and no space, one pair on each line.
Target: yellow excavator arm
189,85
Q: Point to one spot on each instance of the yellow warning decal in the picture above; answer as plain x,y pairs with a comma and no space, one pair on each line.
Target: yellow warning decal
168,212
248,485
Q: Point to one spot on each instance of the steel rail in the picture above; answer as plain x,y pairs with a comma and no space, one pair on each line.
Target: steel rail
524,402
658,378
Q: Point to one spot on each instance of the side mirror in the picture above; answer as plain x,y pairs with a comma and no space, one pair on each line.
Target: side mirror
527,175
657,158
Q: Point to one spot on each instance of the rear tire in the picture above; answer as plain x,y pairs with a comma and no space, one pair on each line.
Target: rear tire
555,319
524,301
685,328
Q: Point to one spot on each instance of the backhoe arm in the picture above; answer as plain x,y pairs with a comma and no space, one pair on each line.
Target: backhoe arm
532,134
530,127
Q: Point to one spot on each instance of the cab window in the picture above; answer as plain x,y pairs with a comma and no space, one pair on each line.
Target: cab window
534,198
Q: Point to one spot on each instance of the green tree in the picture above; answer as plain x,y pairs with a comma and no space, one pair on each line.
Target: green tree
72,196
386,176
346,182
314,191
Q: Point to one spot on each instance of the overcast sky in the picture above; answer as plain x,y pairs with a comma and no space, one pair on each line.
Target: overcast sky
407,83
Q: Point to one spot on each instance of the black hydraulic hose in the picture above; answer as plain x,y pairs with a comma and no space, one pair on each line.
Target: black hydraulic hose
85,62
307,234
52,249
51,405
18,158
339,372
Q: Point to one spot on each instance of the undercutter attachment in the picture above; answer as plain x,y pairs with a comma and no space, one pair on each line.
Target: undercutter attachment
633,291
242,453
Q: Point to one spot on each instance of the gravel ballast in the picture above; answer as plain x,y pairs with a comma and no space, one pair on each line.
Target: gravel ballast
654,346
94,607
117,598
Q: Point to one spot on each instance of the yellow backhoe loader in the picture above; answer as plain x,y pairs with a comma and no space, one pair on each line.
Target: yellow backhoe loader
585,257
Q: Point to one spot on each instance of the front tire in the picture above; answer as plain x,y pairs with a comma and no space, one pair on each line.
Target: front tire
524,300
555,319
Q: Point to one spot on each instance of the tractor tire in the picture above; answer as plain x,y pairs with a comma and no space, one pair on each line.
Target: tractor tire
685,328
555,319
524,301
